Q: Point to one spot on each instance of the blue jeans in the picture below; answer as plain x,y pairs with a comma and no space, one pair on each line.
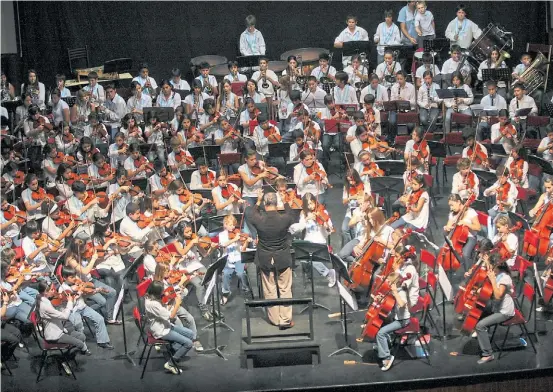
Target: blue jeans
330,140
106,300
185,318
20,312
346,251
28,295
482,331
427,115
181,338
383,335
401,222
228,272
99,325
483,131
347,232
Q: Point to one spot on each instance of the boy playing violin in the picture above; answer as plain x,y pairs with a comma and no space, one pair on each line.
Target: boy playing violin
297,147
419,149
203,178
179,158
465,181
226,196
85,206
264,134
506,193
56,229
310,176
229,240
361,143
35,255
476,152
136,165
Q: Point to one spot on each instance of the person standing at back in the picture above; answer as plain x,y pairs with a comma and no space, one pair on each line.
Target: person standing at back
251,40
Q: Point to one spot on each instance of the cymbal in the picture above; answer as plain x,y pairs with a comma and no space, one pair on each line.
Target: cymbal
212,60
277,65
219,70
307,54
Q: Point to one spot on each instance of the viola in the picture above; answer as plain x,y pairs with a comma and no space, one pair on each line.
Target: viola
11,212
229,191
40,195
106,170
477,155
293,200
53,245
19,178
182,157
542,226
103,199
371,170
236,232
167,179
272,135
207,178
63,158
508,130
501,248
72,177
143,161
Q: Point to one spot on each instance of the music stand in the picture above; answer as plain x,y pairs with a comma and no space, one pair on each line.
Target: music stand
497,149
70,101
486,178
248,257
437,149
523,112
183,93
515,218
121,65
435,44
479,205
397,106
215,223
211,282
549,108
450,93
162,114
545,165
211,152
311,252
248,61
387,186
131,270
346,299
186,175
355,47
496,74
392,167
279,150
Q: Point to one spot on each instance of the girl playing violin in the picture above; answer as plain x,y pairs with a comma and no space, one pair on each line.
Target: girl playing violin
131,130
63,175
417,204
208,121
119,193
367,168
190,136
203,178
310,176
264,134
518,166
232,244
361,143
476,152
226,196
468,219
86,150
229,139
371,116
57,228
10,175
33,204
85,205
159,183
315,220
355,193
179,158
506,239
155,133
506,193
48,166
137,165
465,182
65,140
117,152
419,149
181,199
9,227
96,130
99,164
311,132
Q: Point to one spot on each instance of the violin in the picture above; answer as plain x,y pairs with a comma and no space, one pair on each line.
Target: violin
103,199
123,147
182,157
122,240
233,133
374,143
292,199
88,155
63,158
207,178
259,168
310,132
11,212
195,135
229,191
68,138
470,181
477,155
322,215
87,288
236,232
72,177
41,121
15,272
142,161
134,190
185,198
272,135
316,169
500,247
254,114
59,299
53,245
421,150
40,195
66,218
106,170
502,194
357,190
414,199
91,249
508,131
167,179
204,242
19,178
144,220
516,170
338,113
371,170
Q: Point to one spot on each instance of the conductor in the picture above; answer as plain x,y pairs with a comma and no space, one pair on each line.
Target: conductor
273,255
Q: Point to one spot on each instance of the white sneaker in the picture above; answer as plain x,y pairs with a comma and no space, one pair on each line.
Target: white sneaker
66,368
539,309
198,346
388,365
331,278
158,347
169,366
474,335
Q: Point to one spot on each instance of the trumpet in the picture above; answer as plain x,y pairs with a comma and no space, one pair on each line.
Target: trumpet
301,79
265,84
207,86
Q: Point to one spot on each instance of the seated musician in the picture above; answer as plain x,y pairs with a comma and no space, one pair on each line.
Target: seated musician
81,309
96,90
96,179
179,158
234,75
331,141
297,147
545,198
209,83
138,101
35,255
57,231
294,109
492,100
404,283
504,308
427,99
208,120
177,82
413,148
167,97
343,92
204,177
378,91
316,182
324,69
261,141
229,139
427,64
506,193
155,133
361,142
314,96
358,226
147,83
418,206
518,166
400,91
228,103
251,182
265,77
457,105
475,152
63,175
452,64
521,101
367,168
48,166
95,130
250,114
251,92
359,121
372,115
311,132
177,189
465,181
232,248
161,325
492,63
316,231
66,142
117,152
37,127
387,70
9,227
86,208
119,193
114,109
54,321
505,138
525,62
225,203
188,134
469,219
132,131
355,193
16,307
129,226
136,165
357,73
9,172
85,150
194,103
32,206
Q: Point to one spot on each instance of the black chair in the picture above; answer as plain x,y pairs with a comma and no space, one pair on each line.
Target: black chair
77,54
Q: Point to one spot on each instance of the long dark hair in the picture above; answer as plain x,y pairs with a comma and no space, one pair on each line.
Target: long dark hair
352,173
155,290
43,286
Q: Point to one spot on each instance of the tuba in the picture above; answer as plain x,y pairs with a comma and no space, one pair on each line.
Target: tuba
533,76
502,56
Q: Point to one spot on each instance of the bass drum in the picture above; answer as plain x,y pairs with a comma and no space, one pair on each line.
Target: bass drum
491,36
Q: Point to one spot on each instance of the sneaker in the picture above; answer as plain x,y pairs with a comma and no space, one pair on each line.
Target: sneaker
86,352
169,366
207,315
198,346
66,368
107,346
474,335
523,342
387,365
485,360
158,347
331,278
539,309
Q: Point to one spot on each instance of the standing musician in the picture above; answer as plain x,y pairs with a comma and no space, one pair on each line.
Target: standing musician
468,219
226,195
404,284
203,177
475,152
234,75
401,91
273,255
417,203
138,101
251,39
267,82
387,34
310,176
503,308
506,193
461,30
387,69
60,108
375,89
194,103
518,166
465,182
315,220
351,33
343,92
505,133
427,99
325,70
209,83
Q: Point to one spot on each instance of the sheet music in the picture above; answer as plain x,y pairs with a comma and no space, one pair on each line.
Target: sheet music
119,300
209,289
539,279
193,266
445,284
346,295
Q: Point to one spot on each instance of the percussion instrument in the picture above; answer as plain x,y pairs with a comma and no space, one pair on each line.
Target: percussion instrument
492,36
212,60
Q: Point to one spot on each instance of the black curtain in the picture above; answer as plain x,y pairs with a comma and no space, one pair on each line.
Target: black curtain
169,34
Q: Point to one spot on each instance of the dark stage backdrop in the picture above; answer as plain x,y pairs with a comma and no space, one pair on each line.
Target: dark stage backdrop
169,34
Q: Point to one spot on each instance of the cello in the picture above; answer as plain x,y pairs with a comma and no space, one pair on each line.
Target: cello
458,237
542,226
477,293
548,278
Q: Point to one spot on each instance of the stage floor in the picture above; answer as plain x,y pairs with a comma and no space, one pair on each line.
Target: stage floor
100,372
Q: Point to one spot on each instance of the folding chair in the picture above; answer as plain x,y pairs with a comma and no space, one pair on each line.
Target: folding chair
449,161
460,119
424,303
414,329
520,266
538,122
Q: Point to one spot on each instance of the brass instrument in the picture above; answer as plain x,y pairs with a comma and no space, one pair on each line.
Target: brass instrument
502,56
533,77
207,86
265,84
301,79
325,79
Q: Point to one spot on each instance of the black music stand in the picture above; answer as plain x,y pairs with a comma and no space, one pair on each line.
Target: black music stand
186,175
486,178
397,106
206,193
392,167
546,166
479,205
387,186
183,93
70,101
229,158
248,257
212,274
142,183
215,223
279,150
437,149
211,152
497,149
248,61
346,299
130,271
121,65
450,93
396,49
311,252
496,74
515,218
162,114
351,48
435,44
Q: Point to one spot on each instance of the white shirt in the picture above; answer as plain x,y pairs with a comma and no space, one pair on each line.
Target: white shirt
114,262
319,73
312,187
239,76
544,142
181,85
511,196
270,91
314,232
427,96
51,229
423,68
424,22
451,66
211,81
344,95
353,77
386,36
358,34
261,142
405,93
468,217
145,101
466,30
486,65
119,203
249,191
196,179
130,229
233,207
382,71
57,111
497,102
97,92
314,99
252,44
129,166
507,145
29,247
458,180
380,94
143,81
174,100
34,214
525,102
420,219
149,266
189,100
506,306
232,251
512,243
115,109
463,102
